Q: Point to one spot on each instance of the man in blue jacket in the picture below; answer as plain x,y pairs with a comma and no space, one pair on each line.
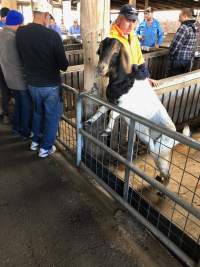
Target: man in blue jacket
149,31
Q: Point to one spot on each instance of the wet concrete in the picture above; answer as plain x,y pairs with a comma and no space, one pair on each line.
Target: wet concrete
51,216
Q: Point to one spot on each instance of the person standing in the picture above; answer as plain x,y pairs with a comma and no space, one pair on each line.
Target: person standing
150,32
5,92
123,30
3,14
182,48
43,57
12,70
75,29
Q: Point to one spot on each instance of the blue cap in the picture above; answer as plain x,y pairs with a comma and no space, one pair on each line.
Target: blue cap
14,18
129,12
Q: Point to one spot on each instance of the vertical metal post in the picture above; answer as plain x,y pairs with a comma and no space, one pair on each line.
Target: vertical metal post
131,139
79,113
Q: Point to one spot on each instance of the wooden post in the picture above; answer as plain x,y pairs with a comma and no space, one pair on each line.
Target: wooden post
10,4
95,25
146,4
133,2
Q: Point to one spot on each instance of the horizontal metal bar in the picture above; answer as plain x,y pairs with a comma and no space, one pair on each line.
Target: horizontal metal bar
64,118
174,135
177,251
194,211
65,145
69,88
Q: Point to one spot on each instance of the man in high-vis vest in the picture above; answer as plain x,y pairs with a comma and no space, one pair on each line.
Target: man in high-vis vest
123,30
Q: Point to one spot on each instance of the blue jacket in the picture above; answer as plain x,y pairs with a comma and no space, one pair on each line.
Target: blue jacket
152,34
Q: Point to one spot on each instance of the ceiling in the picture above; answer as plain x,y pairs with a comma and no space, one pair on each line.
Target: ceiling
162,4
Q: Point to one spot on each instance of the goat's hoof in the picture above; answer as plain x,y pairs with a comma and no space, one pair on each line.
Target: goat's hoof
106,134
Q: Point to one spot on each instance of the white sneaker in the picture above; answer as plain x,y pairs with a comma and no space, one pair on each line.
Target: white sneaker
43,153
34,146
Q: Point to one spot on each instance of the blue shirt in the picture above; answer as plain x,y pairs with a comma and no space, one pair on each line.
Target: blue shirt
153,34
75,30
2,24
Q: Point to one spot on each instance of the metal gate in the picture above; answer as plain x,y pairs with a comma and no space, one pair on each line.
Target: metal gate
128,172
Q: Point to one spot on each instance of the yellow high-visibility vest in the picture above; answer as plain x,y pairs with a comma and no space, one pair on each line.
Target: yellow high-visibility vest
131,44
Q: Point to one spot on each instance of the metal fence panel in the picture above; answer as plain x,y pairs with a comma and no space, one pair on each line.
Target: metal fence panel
177,215
128,169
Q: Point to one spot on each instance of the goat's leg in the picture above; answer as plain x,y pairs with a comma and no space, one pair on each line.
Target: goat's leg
102,110
112,117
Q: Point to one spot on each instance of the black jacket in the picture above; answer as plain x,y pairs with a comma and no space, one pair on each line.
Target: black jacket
42,54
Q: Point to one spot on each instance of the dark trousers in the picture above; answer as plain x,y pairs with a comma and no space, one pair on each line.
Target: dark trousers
6,94
179,66
22,114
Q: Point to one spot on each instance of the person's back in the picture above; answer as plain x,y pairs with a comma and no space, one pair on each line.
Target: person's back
182,48
9,60
43,57
13,73
42,54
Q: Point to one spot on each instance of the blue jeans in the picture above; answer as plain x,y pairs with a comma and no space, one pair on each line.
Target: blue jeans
22,114
46,114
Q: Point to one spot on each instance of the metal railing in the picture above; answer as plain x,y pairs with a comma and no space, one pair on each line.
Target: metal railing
127,171
67,128
127,168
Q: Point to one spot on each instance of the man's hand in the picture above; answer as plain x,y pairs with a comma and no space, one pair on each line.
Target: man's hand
141,37
154,83
157,46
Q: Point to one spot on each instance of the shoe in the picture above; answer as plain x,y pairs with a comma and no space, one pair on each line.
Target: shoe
34,146
43,153
6,120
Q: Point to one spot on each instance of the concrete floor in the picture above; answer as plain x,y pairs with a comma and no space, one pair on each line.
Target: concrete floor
51,216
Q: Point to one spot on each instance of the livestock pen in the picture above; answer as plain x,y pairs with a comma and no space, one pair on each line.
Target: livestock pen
174,222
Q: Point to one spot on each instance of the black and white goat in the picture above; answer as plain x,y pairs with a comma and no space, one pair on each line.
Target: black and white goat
129,89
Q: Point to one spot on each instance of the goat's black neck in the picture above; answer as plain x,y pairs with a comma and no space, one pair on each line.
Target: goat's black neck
117,73
119,81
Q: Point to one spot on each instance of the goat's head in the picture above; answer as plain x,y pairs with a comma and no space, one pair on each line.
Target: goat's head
108,52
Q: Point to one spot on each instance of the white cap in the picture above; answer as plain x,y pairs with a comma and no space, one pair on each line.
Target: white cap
42,6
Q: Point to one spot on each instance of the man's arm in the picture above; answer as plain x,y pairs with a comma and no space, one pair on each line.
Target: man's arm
160,34
59,52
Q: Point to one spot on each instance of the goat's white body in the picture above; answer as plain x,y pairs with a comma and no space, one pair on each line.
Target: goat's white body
142,100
